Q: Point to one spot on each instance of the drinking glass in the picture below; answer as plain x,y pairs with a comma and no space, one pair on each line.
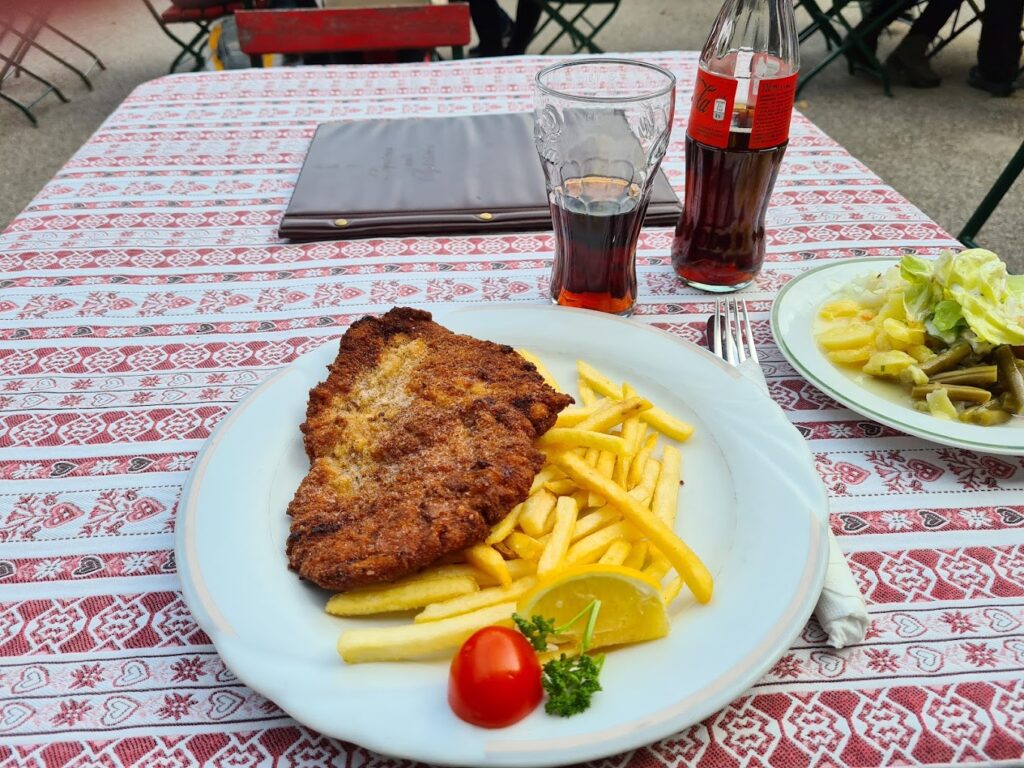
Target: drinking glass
601,127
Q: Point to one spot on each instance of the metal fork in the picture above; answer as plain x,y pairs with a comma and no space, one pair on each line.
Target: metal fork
726,342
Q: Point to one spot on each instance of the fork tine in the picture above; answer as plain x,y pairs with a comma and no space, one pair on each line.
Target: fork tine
749,334
730,348
716,331
741,355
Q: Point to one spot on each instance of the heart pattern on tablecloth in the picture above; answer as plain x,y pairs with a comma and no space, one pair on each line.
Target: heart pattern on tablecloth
14,714
132,672
117,709
907,625
829,664
223,704
1000,620
926,659
30,679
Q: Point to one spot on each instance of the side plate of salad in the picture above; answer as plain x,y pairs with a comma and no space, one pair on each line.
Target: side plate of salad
933,347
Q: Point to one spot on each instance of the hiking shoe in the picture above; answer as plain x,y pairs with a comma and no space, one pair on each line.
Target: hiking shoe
996,87
909,65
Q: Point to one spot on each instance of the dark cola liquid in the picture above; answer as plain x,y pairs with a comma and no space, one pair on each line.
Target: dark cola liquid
597,221
719,242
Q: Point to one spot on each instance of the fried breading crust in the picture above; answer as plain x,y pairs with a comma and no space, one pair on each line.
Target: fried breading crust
419,441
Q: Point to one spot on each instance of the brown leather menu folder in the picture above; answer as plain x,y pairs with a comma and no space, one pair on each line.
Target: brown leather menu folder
438,175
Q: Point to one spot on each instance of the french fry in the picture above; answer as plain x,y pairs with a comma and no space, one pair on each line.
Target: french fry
587,395
572,416
581,438
488,560
614,413
401,597
591,456
668,425
637,556
433,572
605,465
541,368
582,499
645,490
506,526
636,469
517,569
616,554
536,511
527,547
557,545
411,641
564,487
672,589
594,521
658,567
476,600
629,434
596,381
590,548
666,492
546,475
682,558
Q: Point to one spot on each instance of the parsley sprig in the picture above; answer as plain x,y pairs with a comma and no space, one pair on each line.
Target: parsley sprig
570,681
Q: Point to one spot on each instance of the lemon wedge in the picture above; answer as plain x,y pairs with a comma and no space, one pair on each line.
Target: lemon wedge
632,609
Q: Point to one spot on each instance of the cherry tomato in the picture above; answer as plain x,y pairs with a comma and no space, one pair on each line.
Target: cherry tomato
495,678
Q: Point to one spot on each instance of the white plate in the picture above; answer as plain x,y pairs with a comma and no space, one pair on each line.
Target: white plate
793,317
753,507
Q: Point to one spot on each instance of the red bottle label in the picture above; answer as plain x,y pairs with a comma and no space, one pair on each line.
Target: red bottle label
773,112
711,109
714,99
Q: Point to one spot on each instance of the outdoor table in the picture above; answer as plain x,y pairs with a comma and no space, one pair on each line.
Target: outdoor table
144,292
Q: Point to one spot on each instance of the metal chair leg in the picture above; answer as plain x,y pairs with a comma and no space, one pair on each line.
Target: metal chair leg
50,87
958,30
853,40
78,45
569,26
24,110
38,46
186,47
991,201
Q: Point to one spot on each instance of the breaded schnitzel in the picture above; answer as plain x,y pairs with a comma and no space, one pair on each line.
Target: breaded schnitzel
419,441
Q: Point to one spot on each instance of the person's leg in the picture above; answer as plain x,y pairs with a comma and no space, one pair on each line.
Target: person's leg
870,27
999,48
527,16
486,17
934,17
909,63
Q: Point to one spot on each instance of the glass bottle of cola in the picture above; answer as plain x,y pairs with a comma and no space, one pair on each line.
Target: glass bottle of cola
735,139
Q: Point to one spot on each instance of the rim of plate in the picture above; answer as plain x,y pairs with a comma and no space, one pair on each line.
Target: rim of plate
852,402
626,735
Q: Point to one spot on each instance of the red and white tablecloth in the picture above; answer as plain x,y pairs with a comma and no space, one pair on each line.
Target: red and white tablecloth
144,292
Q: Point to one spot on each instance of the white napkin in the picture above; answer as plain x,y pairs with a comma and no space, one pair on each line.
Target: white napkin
841,609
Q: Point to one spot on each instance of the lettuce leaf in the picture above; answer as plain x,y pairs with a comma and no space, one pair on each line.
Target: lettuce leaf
971,290
947,315
918,294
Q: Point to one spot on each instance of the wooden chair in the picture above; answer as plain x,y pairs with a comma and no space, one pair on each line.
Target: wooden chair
338,30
